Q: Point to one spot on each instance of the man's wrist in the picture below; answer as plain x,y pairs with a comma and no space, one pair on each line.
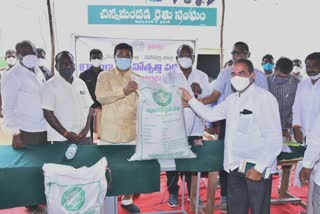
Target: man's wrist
296,126
65,133
16,134
125,92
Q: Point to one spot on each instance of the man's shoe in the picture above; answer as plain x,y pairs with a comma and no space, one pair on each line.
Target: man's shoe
201,205
131,208
173,200
222,206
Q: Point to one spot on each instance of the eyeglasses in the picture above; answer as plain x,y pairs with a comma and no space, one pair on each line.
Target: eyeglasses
239,52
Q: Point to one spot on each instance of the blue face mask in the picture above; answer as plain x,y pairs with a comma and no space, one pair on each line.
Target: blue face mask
268,67
123,63
66,73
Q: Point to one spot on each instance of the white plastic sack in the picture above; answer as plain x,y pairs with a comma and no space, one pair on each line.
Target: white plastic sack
161,132
70,190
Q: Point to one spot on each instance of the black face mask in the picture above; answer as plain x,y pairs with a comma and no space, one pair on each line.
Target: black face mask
66,73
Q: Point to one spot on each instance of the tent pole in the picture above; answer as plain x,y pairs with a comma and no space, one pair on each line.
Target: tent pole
51,35
221,34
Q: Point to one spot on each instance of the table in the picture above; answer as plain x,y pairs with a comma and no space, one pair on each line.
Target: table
286,161
22,169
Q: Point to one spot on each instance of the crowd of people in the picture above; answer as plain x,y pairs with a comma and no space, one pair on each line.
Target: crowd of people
254,110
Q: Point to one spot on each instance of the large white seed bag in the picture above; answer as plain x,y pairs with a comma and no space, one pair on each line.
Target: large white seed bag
161,132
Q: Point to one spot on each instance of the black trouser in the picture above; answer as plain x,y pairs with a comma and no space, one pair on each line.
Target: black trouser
244,194
223,175
33,137
84,141
172,181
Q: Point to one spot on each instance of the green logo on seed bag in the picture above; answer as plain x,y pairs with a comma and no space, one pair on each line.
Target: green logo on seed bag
162,98
73,199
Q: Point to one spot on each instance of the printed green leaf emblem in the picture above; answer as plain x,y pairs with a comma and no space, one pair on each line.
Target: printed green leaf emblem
73,199
162,98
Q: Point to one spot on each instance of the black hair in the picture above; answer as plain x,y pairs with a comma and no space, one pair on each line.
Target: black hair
10,51
284,65
243,45
228,64
313,56
40,50
297,61
247,63
21,45
62,53
267,56
184,46
95,51
123,46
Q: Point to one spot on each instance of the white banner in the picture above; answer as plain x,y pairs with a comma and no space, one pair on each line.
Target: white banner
151,58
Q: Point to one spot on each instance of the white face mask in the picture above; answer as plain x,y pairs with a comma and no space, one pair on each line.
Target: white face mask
296,70
185,62
240,83
11,61
30,61
96,62
315,77
41,62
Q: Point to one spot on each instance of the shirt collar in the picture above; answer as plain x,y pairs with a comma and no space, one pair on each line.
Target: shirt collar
248,91
91,69
63,81
125,73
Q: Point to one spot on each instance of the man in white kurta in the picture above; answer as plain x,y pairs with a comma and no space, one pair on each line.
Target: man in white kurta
306,108
311,162
253,134
197,83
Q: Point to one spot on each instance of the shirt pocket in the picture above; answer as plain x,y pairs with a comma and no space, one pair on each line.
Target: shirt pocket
245,122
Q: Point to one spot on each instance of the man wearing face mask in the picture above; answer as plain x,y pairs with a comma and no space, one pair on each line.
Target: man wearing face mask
90,77
117,94
297,69
223,88
253,134
283,86
197,83
41,54
306,108
11,60
66,104
23,116
268,64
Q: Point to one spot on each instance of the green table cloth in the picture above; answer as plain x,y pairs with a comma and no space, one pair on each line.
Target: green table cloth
22,181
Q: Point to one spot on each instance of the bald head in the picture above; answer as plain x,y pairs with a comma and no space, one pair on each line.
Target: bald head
185,48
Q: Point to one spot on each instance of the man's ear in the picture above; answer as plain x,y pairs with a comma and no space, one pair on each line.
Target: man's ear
177,59
253,76
56,66
249,54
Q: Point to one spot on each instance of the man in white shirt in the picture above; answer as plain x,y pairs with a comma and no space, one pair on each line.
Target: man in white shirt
66,104
223,88
253,134
311,162
197,83
306,107
23,116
